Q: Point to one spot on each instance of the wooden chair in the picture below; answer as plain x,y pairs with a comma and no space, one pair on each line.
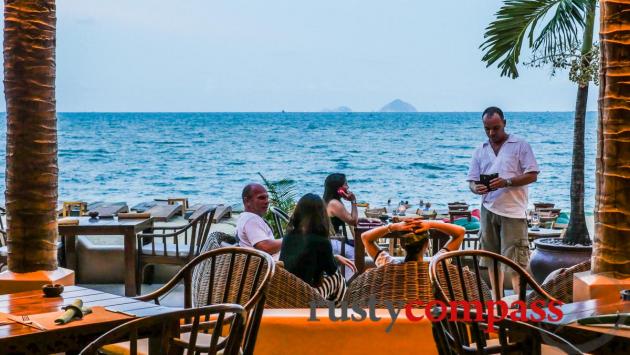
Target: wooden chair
216,329
289,291
440,274
469,337
168,249
458,206
514,337
225,275
539,205
74,208
280,219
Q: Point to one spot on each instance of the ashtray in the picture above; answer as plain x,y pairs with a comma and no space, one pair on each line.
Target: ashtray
625,295
51,290
93,214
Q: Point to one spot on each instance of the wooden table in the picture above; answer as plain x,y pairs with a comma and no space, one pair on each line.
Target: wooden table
543,233
72,337
592,339
129,228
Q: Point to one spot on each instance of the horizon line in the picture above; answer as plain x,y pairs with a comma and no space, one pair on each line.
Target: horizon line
283,111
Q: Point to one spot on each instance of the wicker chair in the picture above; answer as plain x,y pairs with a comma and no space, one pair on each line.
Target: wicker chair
469,337
168,250
450,266
393,282
289,291
514,337
201,333
228,275
559,283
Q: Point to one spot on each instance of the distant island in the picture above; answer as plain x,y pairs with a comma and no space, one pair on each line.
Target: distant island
398,106
338,109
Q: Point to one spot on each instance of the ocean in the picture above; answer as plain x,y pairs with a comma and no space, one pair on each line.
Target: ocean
209,157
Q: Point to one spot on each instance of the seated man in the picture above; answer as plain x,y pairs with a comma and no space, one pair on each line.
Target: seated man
251,228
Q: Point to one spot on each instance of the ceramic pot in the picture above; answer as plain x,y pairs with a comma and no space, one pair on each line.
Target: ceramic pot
549,256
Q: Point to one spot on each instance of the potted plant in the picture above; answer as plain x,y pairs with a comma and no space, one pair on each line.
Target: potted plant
551,30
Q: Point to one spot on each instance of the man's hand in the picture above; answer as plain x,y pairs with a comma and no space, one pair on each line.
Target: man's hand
497,183
480,189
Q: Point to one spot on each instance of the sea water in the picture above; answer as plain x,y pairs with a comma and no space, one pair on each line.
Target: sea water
209,157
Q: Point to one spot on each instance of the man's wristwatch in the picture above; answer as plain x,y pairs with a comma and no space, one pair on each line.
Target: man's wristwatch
508,182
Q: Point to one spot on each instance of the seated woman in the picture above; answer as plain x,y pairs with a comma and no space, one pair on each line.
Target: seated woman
415,242
307,252
336,188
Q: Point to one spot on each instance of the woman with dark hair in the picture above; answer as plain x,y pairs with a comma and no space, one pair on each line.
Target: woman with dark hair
336,188
415,241
307,252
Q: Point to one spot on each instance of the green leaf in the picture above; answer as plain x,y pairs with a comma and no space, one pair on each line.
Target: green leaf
282,194
550,26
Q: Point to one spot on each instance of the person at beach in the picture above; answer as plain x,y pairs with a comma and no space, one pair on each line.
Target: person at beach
504,199
307,252
251,229
415,241
335,189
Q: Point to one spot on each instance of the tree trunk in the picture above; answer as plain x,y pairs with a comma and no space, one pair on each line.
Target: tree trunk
612,204
31,176
577,233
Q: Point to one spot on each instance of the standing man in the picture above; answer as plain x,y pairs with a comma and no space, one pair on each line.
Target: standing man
251,229
504,203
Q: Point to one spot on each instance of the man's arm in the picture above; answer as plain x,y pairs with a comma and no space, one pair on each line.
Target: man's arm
269,246
520,180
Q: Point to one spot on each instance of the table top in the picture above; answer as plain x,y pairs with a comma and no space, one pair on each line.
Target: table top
544,232
45,309
596,338
87,224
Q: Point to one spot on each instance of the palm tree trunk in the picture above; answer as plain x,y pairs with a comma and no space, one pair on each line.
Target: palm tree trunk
577,232
612,204
31,177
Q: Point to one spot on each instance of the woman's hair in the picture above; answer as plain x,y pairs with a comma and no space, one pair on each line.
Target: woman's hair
332,184
412,249
309,217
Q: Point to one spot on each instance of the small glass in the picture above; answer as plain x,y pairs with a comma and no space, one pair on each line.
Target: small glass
535,221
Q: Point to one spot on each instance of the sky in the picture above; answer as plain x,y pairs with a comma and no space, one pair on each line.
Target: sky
238,55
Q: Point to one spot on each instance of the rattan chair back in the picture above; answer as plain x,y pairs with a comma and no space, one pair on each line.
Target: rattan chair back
289,291
392,283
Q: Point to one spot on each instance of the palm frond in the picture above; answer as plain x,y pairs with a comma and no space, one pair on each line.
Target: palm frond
518,19
281,193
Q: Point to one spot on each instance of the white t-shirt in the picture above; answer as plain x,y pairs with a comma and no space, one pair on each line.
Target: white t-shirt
515,158
252,229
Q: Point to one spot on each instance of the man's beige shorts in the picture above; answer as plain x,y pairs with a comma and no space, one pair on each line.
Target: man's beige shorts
505,236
